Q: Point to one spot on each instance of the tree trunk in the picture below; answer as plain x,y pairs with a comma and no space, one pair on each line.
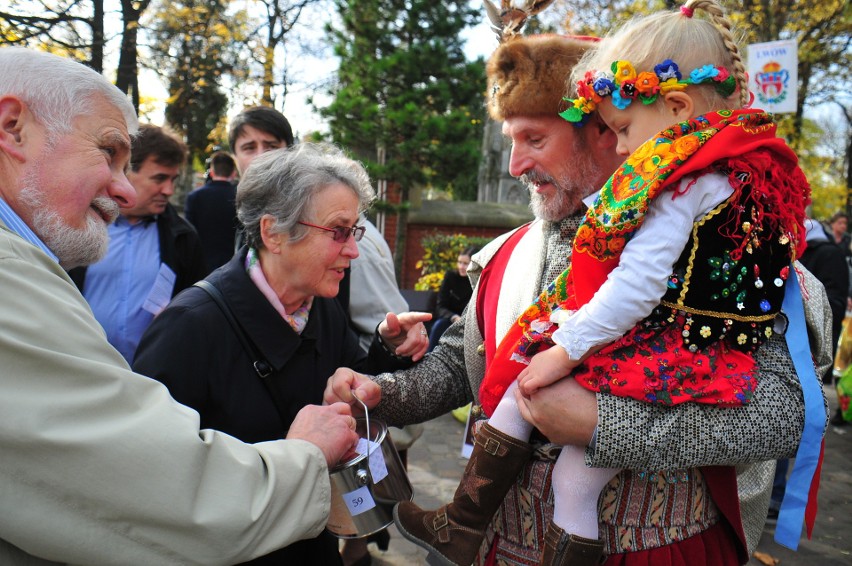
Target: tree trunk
97,57
127,74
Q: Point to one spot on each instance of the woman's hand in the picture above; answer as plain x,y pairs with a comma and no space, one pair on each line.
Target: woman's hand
340,386
406,334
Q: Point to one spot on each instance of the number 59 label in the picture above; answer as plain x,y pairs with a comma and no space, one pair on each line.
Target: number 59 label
359,501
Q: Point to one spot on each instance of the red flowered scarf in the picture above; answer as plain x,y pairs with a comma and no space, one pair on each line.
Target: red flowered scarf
620,210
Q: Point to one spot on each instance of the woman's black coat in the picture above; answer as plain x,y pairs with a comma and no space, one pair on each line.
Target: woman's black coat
191,348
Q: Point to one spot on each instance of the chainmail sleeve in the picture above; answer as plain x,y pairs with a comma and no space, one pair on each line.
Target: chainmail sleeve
430,388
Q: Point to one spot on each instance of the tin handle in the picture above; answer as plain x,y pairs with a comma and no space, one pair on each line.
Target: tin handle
367,418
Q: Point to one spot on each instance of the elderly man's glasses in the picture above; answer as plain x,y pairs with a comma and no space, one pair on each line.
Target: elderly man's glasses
341,233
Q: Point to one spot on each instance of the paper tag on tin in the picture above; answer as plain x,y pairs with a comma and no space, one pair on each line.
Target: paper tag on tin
359,501
378,468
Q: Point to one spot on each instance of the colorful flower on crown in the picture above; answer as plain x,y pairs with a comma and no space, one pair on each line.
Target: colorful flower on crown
701,74
619,101
666,70
584,87
604,86
671,85
625,85
628,90
585,106
623,71
648,85
722,76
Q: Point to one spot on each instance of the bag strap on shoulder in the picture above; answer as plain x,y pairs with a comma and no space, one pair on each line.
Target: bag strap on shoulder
262,368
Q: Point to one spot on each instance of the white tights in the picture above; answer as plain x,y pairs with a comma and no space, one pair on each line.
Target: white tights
576,487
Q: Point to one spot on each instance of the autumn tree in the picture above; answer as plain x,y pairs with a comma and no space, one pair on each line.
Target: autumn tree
279,18
127,74
194,46
405,89
73,28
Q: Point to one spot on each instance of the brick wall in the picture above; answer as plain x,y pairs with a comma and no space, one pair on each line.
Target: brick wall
414,249
426,218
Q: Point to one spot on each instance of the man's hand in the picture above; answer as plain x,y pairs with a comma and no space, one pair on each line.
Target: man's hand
406,334
545,368
331,428
565,412
340,386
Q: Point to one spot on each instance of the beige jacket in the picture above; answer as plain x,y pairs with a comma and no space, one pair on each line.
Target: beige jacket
99,465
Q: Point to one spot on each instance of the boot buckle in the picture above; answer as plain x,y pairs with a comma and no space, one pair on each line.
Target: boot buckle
440,521
491,446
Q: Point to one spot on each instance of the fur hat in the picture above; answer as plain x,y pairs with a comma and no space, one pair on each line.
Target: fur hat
528,75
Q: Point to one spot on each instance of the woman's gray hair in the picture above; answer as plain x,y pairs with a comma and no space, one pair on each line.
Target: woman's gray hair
57,90
284,182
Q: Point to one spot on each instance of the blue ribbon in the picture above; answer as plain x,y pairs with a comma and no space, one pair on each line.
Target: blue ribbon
788,530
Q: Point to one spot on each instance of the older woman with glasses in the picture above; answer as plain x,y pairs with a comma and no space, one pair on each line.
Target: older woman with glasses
258,339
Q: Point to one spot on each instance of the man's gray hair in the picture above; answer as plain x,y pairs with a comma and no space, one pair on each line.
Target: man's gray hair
284,182
57,90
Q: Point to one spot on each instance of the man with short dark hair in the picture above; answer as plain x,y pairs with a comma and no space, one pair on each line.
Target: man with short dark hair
211,210
257,130
153,253
838,226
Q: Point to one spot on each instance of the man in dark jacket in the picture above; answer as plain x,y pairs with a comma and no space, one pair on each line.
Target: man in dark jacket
210,209
827,262
153,253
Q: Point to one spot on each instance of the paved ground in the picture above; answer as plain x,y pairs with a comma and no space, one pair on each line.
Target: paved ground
435,466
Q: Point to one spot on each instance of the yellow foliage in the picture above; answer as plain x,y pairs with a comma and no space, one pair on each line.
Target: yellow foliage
429,282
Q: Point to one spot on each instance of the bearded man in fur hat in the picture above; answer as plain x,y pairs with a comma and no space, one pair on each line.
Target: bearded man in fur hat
642,510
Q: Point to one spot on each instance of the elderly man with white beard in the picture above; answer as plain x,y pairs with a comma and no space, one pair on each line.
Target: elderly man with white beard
100,465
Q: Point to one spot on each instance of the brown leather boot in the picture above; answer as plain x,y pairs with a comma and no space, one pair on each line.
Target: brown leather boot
562,549
454,532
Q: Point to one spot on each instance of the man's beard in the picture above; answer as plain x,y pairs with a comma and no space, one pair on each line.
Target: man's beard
570,191
73,246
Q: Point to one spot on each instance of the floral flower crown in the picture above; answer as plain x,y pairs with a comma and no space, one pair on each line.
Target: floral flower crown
625,86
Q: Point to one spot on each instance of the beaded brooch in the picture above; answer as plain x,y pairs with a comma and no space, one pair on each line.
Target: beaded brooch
624,85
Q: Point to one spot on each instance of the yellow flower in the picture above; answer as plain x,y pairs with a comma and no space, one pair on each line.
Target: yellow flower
648,157
705,332
624,71
742,339
642,152
671,85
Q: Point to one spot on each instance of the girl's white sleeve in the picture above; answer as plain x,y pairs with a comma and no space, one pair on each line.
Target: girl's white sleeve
637,284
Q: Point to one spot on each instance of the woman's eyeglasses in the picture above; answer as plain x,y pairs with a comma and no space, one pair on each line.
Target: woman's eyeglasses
341,233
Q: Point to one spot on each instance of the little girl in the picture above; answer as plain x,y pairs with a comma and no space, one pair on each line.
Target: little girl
677,273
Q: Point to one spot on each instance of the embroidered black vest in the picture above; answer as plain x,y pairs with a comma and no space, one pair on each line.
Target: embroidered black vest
720,298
